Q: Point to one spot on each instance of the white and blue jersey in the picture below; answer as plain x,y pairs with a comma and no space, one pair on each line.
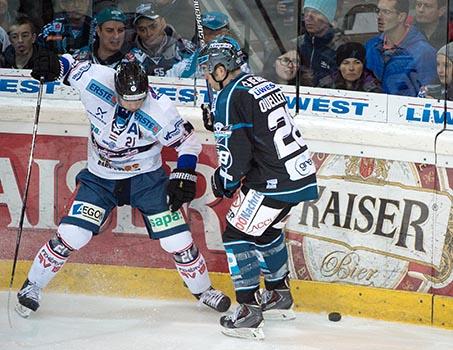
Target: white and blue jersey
122,143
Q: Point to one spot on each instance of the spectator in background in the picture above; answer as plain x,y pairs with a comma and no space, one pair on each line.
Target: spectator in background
430,19
214,24
5,15
400,57
282,68
108,48
442,88
319,43
283,14
23,50
351,73
70,30
39,11
159,41
4,40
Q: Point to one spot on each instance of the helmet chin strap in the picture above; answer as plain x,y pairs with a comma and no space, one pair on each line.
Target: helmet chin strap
220,82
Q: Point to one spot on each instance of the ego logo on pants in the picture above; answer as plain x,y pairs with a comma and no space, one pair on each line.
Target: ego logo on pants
87,211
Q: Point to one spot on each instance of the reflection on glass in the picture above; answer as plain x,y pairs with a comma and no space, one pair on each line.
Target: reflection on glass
402,57
71,28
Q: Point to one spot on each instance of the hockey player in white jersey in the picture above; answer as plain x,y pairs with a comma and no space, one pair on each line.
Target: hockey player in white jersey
130,124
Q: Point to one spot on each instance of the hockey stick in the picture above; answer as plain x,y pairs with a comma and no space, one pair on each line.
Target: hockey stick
25,195
200,36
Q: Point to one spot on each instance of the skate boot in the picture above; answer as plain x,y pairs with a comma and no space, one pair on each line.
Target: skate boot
215,299
246,322
28,299
276,304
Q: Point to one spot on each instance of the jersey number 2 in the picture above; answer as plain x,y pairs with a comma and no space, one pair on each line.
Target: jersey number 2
287,138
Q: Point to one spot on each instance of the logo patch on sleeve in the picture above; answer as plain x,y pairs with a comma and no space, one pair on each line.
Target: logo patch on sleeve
101,91
147,122
87,211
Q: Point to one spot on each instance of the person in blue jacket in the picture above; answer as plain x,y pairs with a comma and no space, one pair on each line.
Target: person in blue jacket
400,57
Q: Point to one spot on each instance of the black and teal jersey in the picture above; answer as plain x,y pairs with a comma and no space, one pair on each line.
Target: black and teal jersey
258,143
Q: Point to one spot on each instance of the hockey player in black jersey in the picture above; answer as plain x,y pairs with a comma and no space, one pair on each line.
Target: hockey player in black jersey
262,156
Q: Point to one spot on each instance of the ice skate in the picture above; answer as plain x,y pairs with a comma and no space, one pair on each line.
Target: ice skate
246,322
28,298
215,299
276,304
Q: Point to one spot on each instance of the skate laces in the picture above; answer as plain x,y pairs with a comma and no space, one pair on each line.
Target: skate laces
31,291
211,297
266,296
235,315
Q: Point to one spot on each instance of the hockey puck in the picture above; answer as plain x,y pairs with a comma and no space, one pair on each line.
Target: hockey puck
334,316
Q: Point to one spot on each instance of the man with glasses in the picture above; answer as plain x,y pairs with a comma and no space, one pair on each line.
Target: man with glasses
159,41
430,19
400,57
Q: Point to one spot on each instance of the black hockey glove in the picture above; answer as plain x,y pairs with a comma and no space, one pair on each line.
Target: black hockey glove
181,187
208,118
46,65
217,186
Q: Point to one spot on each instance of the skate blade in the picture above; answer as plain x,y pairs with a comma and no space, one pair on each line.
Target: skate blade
245,333
22,310
279,315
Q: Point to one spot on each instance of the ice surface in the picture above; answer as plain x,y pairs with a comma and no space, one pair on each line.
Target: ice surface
70,322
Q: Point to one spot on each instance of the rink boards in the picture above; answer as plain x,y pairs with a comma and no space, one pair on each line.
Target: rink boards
377,243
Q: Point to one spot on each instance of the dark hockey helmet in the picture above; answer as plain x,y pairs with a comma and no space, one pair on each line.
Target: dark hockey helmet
223,50
131,81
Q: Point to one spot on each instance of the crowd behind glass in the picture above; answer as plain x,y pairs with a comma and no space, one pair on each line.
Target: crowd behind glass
398,47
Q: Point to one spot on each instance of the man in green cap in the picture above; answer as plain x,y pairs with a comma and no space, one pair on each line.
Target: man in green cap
109,48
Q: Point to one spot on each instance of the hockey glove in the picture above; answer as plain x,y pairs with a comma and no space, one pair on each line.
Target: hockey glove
217,186
208,118
181,187
46,65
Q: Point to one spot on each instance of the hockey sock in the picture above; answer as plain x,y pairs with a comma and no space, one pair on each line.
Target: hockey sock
192,268
274,261
49,260
244,269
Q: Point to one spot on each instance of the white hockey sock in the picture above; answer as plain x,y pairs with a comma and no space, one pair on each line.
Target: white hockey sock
195,274
45,266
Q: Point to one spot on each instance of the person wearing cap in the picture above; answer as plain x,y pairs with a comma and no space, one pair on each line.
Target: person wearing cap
161,43
109,48
442,87
70,30
400,57
214,24
318,45
351,73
